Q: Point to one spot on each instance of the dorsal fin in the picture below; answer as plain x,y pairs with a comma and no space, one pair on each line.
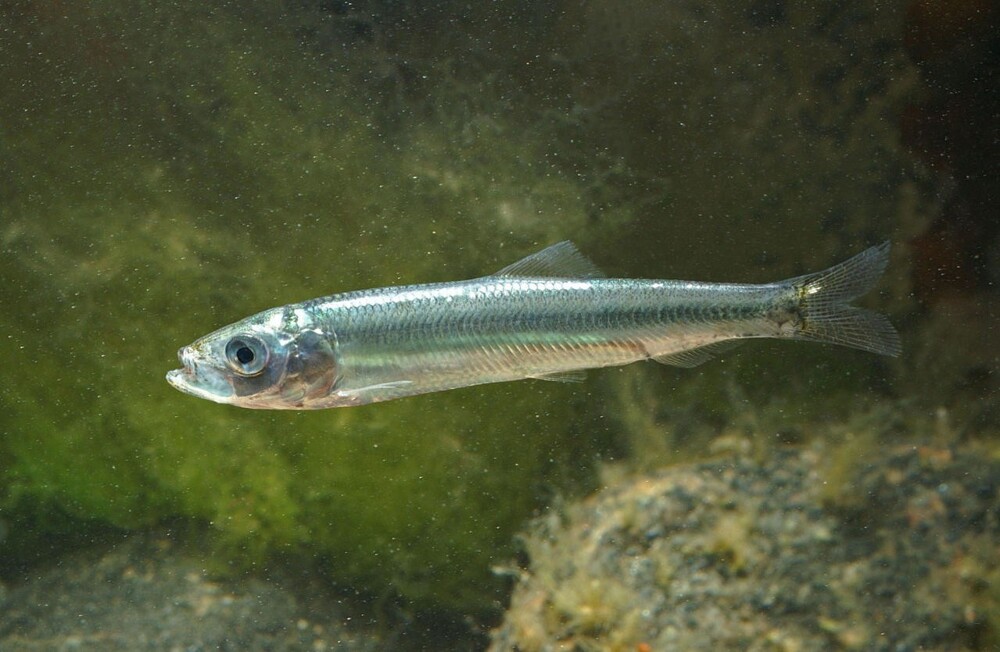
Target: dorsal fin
561,260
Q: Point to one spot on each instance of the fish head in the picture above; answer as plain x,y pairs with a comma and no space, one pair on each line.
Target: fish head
276,359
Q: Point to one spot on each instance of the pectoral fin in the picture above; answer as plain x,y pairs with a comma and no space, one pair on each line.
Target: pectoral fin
361,391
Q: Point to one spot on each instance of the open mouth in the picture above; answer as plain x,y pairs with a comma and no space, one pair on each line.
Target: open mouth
188,374
181,378
199,379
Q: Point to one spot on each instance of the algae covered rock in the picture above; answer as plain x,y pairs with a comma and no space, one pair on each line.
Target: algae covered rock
743,555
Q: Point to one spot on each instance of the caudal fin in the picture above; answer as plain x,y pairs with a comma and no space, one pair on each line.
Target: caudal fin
827,315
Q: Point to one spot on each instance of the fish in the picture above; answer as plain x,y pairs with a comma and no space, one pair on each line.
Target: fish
549,316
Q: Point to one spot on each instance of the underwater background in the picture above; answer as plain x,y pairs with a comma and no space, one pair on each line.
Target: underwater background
167,168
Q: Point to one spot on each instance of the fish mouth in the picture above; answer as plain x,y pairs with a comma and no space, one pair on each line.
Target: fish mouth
199,379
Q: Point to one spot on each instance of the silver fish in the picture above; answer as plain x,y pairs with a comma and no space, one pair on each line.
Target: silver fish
548,316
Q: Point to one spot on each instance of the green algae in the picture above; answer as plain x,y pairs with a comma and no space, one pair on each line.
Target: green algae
179,171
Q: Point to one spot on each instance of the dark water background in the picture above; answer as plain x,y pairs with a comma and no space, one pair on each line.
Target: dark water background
166,168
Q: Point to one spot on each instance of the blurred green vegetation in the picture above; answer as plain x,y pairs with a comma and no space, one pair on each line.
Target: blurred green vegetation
171,169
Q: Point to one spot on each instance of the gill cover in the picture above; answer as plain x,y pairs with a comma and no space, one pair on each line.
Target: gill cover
310,369
284,371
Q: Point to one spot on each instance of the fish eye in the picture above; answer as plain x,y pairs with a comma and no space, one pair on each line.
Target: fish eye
246,355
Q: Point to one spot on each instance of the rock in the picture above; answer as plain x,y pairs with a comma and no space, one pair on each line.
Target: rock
746,555
148,594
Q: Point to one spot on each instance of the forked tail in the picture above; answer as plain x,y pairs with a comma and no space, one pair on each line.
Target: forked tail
825,310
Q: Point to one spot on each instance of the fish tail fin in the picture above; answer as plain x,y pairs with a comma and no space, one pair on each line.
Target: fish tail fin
826,313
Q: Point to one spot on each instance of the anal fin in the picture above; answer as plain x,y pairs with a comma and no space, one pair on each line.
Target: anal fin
574,376
696,356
